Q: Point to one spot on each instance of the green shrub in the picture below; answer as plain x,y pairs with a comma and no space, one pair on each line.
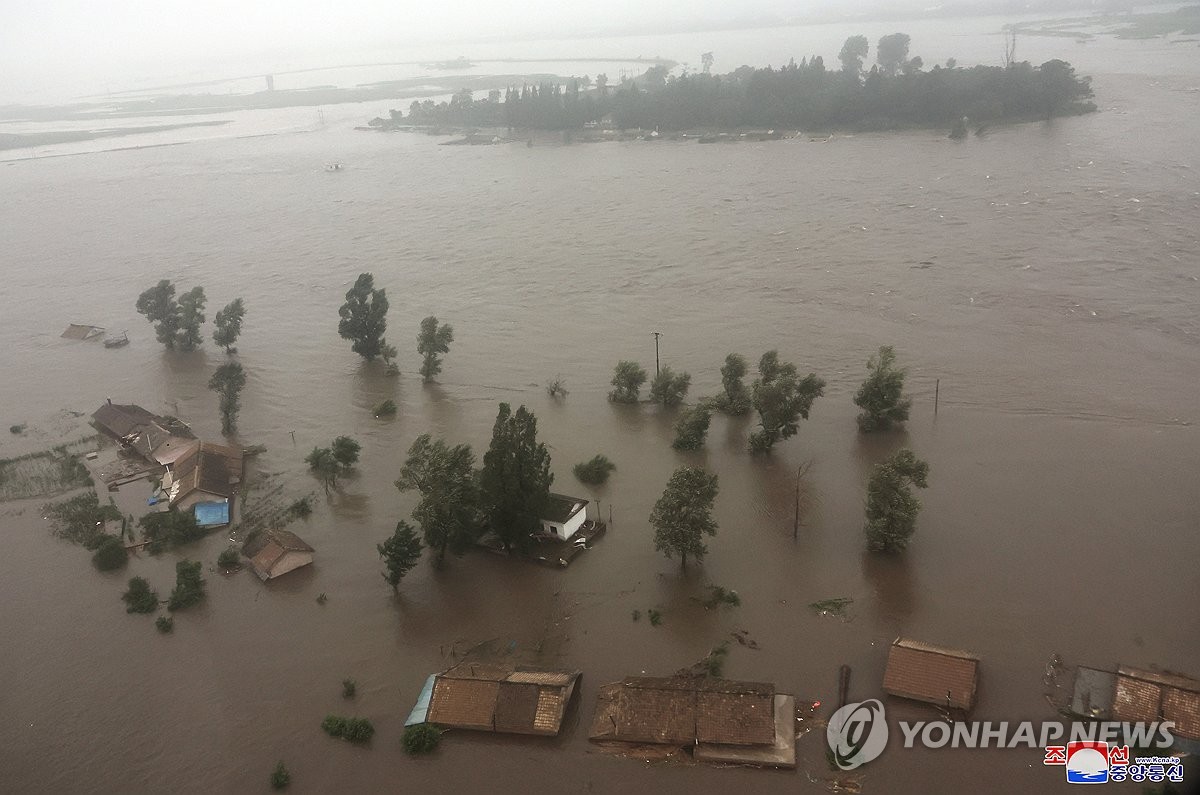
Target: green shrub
110,554
280,777
17,429
189,585
719,596
349,688
421,738
385,409
169,529
714,663
81,519
140,598
594,472
229,558
654,616
334,725
165,624
301,508
356,730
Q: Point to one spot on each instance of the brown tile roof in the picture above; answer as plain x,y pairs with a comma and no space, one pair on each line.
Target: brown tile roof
1149,696
1182,707
211,468
121,420
946,677
516,706
269,548
685,710
1136,700
495,697
464,703
554,678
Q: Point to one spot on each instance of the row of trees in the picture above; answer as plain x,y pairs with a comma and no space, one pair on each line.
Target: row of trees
896,92
177,322
363,321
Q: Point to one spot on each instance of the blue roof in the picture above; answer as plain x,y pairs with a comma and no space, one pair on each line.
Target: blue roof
211,514
421,710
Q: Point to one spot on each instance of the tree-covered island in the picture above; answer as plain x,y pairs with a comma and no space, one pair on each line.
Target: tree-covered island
895,92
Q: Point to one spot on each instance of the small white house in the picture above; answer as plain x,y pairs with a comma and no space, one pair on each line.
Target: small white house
564,516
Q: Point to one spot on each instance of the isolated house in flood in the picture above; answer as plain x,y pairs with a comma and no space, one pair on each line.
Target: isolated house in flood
276,552
207,474
564,516
159,440
1152,696
945,677
495,697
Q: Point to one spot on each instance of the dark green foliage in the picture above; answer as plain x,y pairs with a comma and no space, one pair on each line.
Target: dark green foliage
781,398
191,317
891,505
892,52
80,519
691,427
168,529
400,553
421,738
110,554
714,664
18,429
301,508
228,323
852,54
449,510
189,585
345,452
628,378
280,777
557,387
165,624
356,730
228,382
595,471
836,606
349,688
385,409
669,388
139,598
516,479
683,514
330,462
718,596
364,318
229,558
432,340
881,396
160,308
735,400
654,616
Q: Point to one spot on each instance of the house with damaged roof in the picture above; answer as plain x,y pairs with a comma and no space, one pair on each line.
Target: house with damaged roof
158,439
721,720
496,697
205,481
276,552
1137,695
934,674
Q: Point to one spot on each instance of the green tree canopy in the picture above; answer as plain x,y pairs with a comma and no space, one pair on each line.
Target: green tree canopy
781,397
160,308
669,388
189,585
691,427
229,324
683,514
881,396
324,465
892,52
364,317
400,553
628,378
110,554
852,54
432,340
169,529
140,598
516,477
735,399
891,505
228,382
345,451
594,471
446,480
191,317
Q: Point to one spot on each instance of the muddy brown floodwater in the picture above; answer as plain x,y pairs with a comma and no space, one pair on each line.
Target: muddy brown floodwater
1046,274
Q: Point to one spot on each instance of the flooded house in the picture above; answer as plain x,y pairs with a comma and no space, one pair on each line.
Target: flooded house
276,552
720,720
564,516
934,674
1150,696
496,697
205,480
157,439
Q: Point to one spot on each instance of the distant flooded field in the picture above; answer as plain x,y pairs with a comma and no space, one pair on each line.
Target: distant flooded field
1047,275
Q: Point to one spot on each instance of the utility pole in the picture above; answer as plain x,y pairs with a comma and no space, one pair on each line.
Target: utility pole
656,334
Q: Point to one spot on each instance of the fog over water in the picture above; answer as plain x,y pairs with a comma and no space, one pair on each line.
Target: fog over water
1047,274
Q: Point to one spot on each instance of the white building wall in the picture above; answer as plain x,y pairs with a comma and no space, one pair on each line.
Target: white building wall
573,524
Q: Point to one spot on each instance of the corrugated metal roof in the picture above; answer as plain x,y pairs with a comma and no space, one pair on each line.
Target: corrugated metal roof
946,677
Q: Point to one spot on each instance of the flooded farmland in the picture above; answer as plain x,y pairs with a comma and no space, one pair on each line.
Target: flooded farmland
1046,276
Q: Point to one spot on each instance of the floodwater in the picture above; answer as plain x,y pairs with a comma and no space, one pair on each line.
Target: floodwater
1046,275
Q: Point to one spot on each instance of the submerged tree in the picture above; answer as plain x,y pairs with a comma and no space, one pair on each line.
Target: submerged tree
852,54
669,388
691,428
735,400
628,378
594,471
516,477
160,308
228,382
140,597
781,397
189,585
891,505
400,553
191,317
432,340
683,514
330,462
881,396
229,324
364,317
444,476
345,452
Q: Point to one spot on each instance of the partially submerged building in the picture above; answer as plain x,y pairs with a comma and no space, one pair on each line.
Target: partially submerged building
720,719
205,480
158,439
564,516
496,697
1150,696
276,552
937,675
